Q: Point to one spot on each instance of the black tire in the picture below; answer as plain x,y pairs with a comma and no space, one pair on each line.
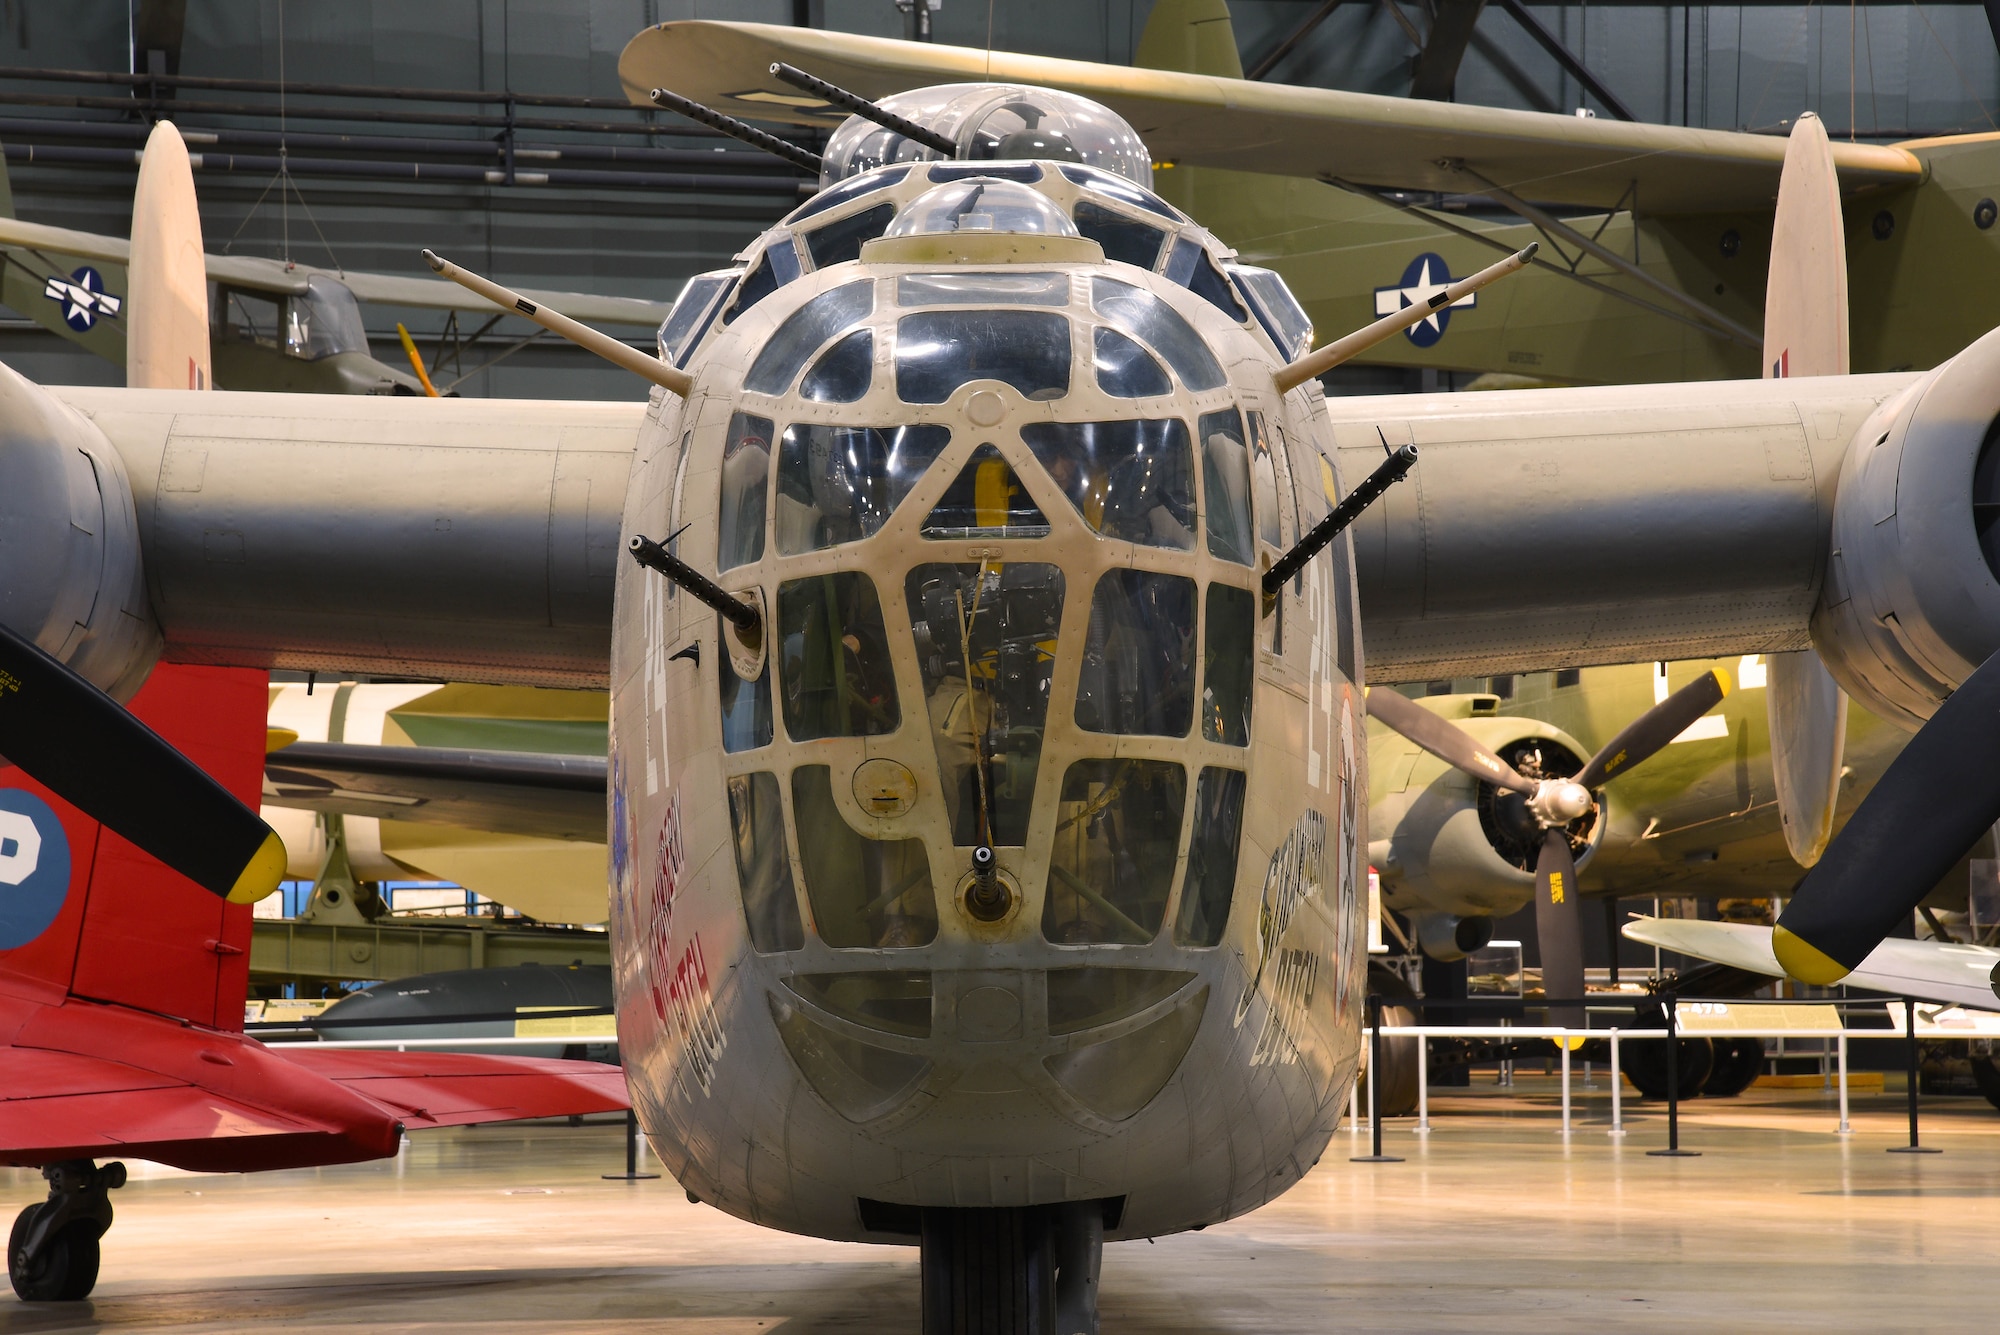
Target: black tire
1399,1055
1986,1074
988,1272
1644,1062
1738,1062
65,1272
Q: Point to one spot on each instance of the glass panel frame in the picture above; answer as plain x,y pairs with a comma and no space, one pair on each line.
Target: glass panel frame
1228,664
1129,478
1115,851
746,477
938,351
764,864
866,894
1137,674
840,484
836,676
1225,478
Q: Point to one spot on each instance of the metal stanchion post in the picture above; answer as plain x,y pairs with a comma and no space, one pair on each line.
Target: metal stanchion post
1564,1042
1673,1149
1617,1091
1423,1084
631,1173
1845,1130
1910,1033
1375,1085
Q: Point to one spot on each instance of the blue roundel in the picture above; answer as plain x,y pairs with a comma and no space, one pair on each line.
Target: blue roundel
34,867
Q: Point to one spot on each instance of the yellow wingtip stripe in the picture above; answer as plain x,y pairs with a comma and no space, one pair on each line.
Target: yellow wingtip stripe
262,873
1805,961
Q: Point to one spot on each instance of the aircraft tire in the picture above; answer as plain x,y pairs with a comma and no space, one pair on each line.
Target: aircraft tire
1737,1063
66,1271
988,1271
1644,1062
1399,1055
1986,1074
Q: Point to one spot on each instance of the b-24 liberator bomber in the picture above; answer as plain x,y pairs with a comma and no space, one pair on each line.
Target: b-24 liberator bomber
987,795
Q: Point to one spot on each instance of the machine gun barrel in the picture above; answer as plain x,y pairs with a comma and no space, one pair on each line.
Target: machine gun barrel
861,106
655,557
736,129
1317,363
1392,471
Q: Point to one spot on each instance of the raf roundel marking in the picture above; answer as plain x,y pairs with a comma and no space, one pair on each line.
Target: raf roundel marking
1427,276
34,867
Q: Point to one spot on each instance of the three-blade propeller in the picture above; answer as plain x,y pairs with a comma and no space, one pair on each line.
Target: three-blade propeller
1554,803
1938,796
90,751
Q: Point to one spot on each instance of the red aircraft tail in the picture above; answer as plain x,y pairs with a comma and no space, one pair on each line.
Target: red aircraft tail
88,914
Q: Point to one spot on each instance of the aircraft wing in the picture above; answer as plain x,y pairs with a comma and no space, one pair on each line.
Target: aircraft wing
1959,975
515,792
267,275
1404,143
426,1089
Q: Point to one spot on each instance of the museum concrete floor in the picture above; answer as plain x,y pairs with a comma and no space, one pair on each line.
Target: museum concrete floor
1493,1224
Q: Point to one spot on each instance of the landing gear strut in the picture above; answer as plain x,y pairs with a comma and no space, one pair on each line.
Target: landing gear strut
1013,1271
52,1252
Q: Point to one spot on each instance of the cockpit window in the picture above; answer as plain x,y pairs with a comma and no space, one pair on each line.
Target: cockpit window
986,642
805,331
1138,661
835,672
986,500
852,188
746,471
764,864
1211,869
865,893
1129,479
1145,317
1225,476
1111,867
1104,182
937,351
746,705
777,266
982,289
1226,644
1275,304
840,484
1264,479
842,373
1124,369
1192,267
677,331
841,240
324,320
1124,238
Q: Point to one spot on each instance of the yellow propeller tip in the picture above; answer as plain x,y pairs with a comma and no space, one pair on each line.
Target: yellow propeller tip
1722,680
1804,961
261,875
277,739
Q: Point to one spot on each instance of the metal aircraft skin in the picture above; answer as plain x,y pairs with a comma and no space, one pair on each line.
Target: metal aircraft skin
985,429
1700,818
1690,209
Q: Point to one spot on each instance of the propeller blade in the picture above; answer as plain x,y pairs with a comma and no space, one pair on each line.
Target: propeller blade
90,751
1444,739
1655,728
1559,927
1935,798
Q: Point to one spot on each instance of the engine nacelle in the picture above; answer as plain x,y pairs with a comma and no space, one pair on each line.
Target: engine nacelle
1458,850
1911,602
71,575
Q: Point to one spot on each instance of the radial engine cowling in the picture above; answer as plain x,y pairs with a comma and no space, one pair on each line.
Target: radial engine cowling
71,577
1911,602
1457,847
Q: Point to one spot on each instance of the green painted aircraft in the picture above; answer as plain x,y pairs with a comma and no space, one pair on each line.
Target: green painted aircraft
1699,817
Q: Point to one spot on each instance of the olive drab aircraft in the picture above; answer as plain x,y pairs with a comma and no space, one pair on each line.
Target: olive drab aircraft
276,325
1657,239
980,592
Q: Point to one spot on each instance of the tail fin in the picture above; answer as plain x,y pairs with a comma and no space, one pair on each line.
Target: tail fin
1805,333
84,912
166,329
1191,36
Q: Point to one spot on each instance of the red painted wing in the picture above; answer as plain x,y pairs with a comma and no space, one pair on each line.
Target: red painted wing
424,1089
